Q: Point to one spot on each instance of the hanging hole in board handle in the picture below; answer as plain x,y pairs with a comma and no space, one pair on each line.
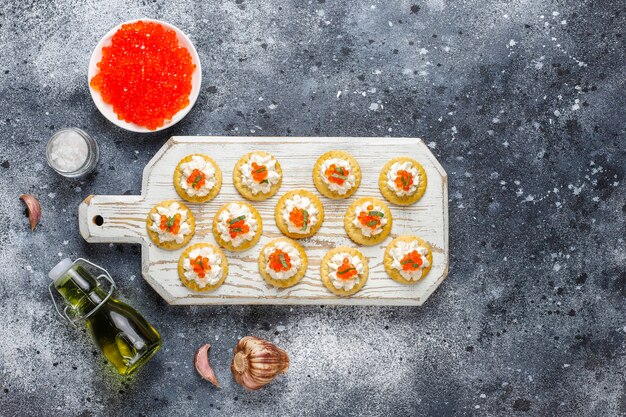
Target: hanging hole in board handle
98,220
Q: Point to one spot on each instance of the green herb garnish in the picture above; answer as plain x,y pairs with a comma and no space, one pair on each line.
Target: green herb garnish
340,170
345,271
305,215
283,261
341,177
236,230
265,181
170,221
237,219
376,213
406,261
262,168
196,181
372,223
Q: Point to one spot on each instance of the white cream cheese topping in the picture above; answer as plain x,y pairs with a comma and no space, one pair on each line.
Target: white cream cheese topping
348,183
402,249
366,230
272,174
169,211
207,168
212,276
294,258
231,212
393,174
303,203
335,263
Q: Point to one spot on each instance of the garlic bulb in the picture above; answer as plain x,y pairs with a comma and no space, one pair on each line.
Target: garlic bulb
257,362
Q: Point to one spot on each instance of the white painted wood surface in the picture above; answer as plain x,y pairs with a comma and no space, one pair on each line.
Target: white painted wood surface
124,220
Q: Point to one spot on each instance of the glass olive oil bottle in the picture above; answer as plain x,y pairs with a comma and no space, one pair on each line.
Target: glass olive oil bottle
125,338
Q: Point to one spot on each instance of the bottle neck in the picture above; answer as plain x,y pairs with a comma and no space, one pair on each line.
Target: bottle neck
80,290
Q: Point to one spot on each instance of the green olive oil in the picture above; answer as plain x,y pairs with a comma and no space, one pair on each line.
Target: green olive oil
125,338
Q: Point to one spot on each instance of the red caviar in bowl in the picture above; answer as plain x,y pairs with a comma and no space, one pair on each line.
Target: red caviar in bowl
145,74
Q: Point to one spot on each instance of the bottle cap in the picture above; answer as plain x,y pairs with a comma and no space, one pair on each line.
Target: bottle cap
60,268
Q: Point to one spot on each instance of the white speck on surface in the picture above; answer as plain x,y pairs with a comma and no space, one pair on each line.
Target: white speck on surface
373,106
512,43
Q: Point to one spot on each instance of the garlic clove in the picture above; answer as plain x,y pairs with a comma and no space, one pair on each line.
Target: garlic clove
257,362
34,209
203,366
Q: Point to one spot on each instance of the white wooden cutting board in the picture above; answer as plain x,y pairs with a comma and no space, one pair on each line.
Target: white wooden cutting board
122,219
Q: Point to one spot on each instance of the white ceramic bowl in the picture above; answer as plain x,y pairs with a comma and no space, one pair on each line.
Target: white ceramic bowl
107,109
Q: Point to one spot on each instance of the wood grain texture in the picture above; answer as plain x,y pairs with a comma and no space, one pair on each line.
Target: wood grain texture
123,220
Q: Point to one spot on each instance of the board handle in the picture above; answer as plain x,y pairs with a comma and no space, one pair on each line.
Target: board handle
113,218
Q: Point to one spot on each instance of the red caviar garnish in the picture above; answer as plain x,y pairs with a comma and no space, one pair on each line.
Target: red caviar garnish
412,261
280,261
337,174
404,180
259,173
237,226
170,224
200,266
371,218
299,217
196,179
346,270
145,74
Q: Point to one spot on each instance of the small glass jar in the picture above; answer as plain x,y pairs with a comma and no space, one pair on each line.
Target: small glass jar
70,157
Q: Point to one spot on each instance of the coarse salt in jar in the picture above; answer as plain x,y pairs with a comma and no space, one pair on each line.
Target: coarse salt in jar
72,152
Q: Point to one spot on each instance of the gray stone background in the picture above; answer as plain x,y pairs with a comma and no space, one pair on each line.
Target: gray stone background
521,101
